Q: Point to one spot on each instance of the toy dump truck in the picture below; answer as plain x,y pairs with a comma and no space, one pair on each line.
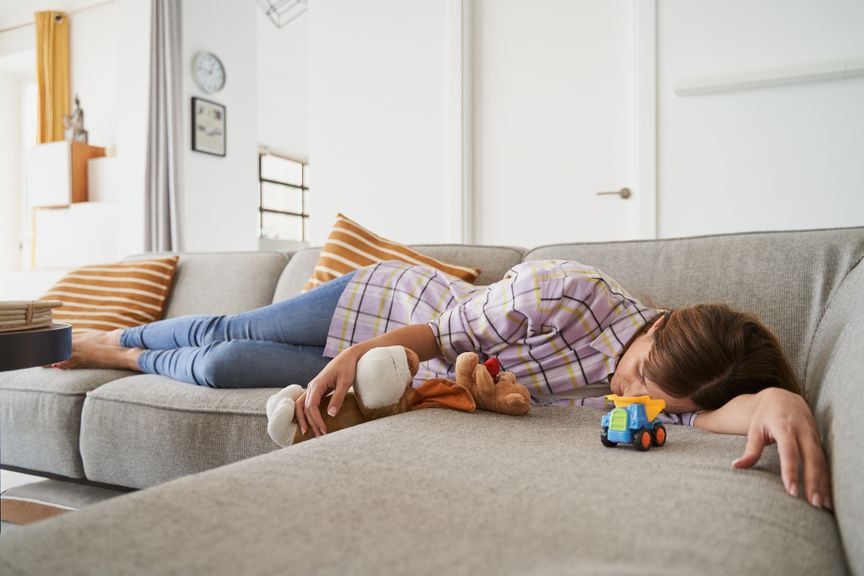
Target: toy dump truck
633,421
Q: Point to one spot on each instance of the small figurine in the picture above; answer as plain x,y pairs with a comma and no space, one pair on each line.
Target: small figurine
74,124
633,420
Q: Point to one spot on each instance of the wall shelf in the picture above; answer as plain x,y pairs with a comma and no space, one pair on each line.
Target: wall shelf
57,172
771,77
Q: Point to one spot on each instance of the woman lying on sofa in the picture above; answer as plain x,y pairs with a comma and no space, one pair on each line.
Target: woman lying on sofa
559,326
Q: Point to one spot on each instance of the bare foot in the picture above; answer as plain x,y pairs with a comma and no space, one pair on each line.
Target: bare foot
110,338
90,353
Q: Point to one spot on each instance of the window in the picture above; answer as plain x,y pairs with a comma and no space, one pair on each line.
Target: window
283,197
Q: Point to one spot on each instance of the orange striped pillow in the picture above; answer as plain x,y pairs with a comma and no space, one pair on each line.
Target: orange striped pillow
109,296
350,246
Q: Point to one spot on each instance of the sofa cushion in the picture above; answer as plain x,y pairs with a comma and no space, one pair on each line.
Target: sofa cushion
493,262
145,429
350,246
440,492
118,295
295,274
223,283
40,411
785,278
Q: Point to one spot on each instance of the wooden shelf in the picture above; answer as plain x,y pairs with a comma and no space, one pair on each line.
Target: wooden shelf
57,172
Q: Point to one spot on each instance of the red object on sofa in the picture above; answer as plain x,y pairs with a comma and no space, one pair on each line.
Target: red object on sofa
494,366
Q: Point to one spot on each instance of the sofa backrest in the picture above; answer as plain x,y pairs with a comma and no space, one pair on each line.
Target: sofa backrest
785,278
223,282
493,262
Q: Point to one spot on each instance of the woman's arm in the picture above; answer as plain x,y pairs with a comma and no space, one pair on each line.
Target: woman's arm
776,415
338,375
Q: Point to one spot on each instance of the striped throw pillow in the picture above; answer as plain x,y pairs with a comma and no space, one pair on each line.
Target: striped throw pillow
109,296
350,246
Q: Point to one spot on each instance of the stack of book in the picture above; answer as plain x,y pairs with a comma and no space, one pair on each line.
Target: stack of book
26,315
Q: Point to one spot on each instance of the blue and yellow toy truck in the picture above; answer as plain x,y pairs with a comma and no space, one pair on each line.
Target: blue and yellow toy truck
633,421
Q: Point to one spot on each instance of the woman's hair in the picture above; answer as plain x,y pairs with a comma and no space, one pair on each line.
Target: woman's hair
711,353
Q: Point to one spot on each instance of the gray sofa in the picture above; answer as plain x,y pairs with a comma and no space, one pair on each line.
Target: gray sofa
435,491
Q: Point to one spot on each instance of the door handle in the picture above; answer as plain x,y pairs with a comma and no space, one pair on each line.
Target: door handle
624,193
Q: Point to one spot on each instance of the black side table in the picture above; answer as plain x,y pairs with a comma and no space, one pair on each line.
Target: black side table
39,347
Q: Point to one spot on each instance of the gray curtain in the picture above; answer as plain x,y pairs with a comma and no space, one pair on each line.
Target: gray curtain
163,172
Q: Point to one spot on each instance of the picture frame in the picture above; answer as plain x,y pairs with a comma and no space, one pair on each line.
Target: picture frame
208,127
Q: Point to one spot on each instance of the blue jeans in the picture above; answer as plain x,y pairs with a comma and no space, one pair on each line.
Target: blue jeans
276,345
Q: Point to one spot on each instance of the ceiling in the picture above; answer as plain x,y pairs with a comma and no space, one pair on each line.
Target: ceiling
20,12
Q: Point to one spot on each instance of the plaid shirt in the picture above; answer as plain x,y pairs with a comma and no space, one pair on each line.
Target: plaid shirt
559,326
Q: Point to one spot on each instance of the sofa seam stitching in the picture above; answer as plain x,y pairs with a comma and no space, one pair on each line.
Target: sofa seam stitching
171,408
286,255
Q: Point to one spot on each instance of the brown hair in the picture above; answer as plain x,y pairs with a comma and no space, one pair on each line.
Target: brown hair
711,353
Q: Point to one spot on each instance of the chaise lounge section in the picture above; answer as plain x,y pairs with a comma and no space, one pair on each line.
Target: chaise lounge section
437,491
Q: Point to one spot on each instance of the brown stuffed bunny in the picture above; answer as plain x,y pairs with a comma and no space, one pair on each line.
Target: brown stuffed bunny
382,387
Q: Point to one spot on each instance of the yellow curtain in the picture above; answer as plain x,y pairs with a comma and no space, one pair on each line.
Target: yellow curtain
52,69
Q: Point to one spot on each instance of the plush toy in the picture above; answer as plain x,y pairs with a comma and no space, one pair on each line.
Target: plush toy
382,387
502,395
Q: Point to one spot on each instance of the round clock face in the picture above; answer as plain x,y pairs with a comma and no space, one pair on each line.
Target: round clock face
209,72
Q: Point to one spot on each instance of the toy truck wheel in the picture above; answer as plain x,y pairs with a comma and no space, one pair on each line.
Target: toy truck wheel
604,438
642,440
658,435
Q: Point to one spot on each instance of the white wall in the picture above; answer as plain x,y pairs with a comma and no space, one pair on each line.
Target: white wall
17,39
9,196
361,90
219,209
377,113
132,81
101,34
283,86
93,54
775,158
110,59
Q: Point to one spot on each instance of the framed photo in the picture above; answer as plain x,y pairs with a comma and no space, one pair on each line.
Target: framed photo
208,127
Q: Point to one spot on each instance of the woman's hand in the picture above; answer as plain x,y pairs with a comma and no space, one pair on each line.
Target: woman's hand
338,377
783,417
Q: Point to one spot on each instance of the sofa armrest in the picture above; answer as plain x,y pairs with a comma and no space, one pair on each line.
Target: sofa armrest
834,386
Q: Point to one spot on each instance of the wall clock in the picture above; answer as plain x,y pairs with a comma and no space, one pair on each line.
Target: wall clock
208,71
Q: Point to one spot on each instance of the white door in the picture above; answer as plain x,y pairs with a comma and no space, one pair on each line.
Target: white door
553,121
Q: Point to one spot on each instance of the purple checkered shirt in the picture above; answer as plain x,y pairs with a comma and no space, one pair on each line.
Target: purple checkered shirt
559,326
